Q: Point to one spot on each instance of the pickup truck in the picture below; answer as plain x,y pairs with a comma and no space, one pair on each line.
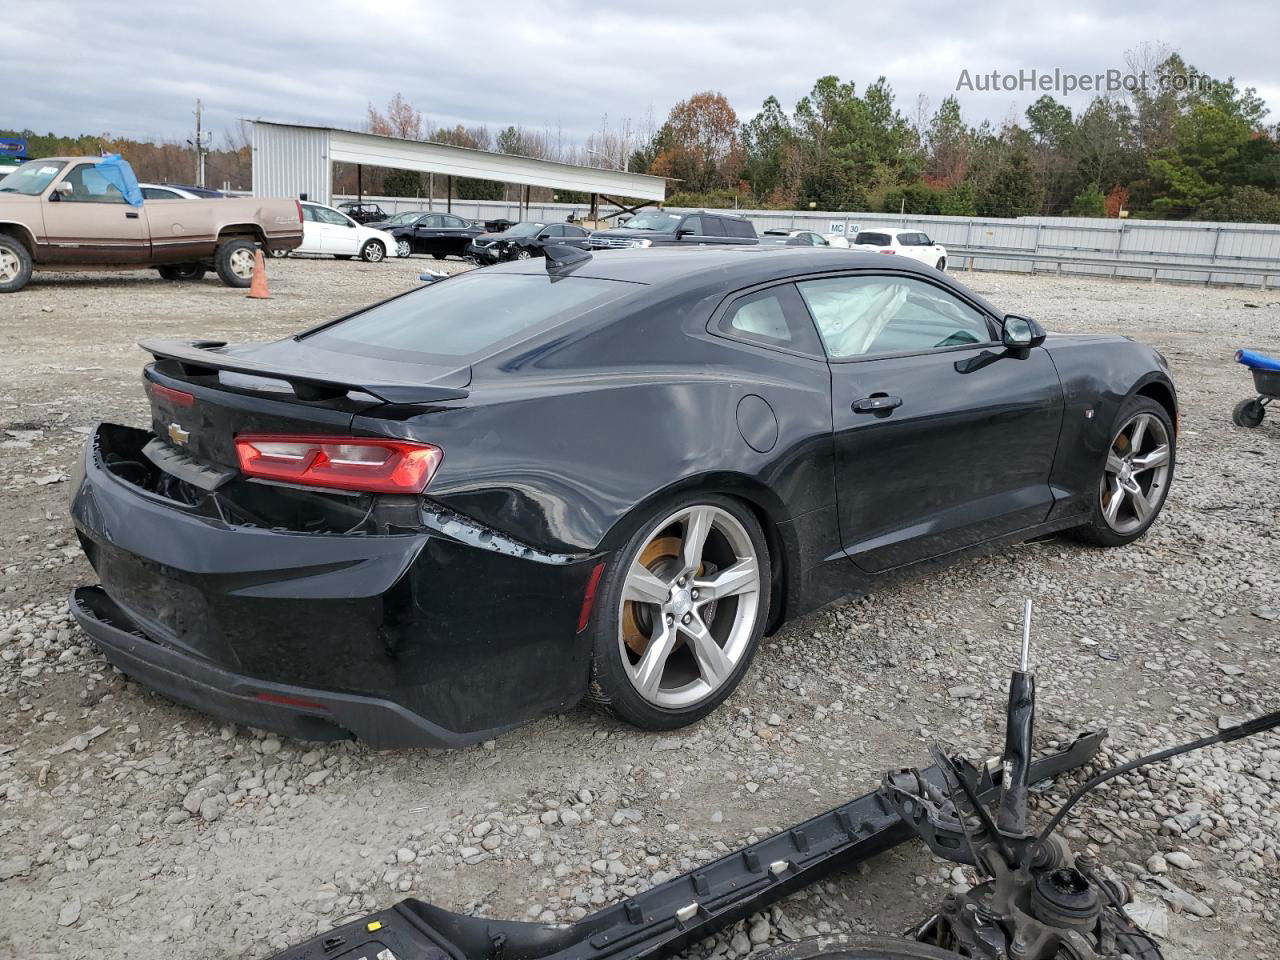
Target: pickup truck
71,213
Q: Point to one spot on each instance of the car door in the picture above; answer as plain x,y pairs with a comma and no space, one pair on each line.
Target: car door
91,222
455,234
691,231
427,234
943,439
551,233
339,235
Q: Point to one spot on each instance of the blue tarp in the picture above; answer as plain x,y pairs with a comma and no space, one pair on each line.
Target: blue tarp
1257,361
119,174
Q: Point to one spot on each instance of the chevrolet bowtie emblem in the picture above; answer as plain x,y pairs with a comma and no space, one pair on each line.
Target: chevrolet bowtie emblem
178,435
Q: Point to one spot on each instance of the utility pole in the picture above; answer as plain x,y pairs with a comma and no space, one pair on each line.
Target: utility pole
201,148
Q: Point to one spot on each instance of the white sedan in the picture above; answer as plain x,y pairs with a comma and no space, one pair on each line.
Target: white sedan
902,243
329,232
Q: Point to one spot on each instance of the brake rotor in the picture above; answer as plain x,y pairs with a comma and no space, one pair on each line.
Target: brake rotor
661,557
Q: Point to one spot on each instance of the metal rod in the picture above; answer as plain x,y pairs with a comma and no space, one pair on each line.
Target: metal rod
1025,663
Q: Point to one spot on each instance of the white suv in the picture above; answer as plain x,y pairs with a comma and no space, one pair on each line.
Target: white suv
903,243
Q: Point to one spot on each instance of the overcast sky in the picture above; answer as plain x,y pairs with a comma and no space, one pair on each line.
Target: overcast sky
136,69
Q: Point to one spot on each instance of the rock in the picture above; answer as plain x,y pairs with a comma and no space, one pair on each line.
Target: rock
270,746
405,855
759,931
1157,864
964,693
570,818
69,913
1267,613
18,866
1180,860
1183,901
80,841
481,829
213,808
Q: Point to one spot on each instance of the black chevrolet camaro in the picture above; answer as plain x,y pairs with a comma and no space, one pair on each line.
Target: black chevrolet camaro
586,477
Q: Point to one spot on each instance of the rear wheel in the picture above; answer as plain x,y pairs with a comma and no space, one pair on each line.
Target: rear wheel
15,265
183,272
680,613
1249,413
234,262
1136,475
373,252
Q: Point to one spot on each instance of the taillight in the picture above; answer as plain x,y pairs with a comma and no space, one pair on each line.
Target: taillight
890,252
340,463
179,398
298,204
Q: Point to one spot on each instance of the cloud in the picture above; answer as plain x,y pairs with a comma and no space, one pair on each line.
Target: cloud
137,69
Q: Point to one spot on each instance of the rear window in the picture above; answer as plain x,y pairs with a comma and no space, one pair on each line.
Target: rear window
874,239
739,228
467,316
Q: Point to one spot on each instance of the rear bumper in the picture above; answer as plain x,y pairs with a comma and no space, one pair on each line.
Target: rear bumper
409,639
302,712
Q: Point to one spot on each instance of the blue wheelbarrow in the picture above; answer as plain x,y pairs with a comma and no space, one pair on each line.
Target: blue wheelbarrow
1266,380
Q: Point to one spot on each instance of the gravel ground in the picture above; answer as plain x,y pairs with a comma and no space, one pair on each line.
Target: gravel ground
133,827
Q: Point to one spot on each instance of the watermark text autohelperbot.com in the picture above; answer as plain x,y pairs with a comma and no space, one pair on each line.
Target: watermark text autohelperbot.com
1065,82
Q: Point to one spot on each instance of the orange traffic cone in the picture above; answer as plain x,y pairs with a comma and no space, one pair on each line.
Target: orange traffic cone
258,286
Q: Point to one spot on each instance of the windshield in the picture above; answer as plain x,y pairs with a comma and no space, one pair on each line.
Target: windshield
523,229
661,222
31,178
402,218
468,315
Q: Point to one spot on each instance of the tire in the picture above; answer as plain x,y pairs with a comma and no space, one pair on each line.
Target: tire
373,252
523,254
183,272
698,664
15,265
1249,413
278,254
1141,492
941,264
864,948
439,256
342,256
231,259
403,248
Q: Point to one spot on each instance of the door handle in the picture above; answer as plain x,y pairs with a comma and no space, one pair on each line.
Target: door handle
130,215
876,403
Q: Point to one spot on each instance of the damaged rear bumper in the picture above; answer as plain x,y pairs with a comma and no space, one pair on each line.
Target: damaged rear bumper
412,633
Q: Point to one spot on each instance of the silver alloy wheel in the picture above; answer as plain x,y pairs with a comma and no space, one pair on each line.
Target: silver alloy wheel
1136,475
403,248
241,263
523,255
695,603
374,251
9,266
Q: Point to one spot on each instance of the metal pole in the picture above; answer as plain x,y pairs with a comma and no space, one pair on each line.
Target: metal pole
359,183
449,201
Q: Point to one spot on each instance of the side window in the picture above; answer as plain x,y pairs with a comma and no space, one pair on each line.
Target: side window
434,221
325,215
90,186
572,231
555,230
924,240
741,228
155,193
714,227
692,225
308,214
453,222
869,315
774,317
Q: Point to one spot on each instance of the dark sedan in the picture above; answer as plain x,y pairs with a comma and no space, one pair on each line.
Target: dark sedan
524,241
438,234
586,477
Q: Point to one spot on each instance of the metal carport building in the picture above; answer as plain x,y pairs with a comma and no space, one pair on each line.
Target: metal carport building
292,160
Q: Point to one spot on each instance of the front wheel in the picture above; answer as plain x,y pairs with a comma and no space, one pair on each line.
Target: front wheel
403,248
234,262
15,265
680,612
1136,475
523,255
1249,413
373,252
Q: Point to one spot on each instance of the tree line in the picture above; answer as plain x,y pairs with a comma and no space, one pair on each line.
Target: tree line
1199,151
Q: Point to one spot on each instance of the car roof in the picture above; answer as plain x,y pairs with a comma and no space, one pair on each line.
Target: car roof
713,269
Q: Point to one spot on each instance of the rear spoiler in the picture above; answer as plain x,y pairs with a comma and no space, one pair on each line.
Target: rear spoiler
199,358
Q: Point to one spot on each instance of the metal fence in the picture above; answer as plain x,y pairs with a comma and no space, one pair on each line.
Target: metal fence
1229,253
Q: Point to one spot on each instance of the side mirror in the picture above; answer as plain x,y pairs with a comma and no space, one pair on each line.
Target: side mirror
63,189
1021,333
684,232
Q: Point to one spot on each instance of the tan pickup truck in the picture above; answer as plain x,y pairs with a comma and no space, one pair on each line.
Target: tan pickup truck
63,213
